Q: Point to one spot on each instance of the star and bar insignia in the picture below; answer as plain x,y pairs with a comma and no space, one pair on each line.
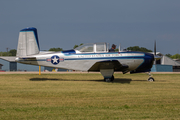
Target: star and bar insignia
55,59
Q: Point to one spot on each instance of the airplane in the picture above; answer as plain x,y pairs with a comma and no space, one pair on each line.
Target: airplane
91,57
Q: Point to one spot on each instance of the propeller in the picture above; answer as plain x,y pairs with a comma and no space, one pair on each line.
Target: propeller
156,56
155,47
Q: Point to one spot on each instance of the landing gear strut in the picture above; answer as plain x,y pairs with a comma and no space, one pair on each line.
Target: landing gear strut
107,74
150,79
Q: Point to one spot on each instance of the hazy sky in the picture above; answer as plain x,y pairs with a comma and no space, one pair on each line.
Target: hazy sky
64,23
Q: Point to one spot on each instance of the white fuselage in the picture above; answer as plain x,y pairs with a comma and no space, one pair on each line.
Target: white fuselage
83,61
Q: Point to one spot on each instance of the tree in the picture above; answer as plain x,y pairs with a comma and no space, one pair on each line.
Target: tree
56,49
3,53
137,48
75,46
176,56
168,55
12,52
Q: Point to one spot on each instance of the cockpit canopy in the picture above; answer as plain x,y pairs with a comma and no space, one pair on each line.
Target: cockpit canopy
93,47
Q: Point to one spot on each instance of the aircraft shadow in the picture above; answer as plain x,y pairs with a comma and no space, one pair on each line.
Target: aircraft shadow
123,80
44,79
99,80
140,80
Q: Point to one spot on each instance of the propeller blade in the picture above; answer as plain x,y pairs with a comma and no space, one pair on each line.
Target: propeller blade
155,47
156,56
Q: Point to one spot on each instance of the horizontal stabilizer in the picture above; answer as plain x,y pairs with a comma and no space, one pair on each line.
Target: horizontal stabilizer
25,58
9,58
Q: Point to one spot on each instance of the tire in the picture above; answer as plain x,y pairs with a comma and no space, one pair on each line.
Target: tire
112,78
151,79
109,79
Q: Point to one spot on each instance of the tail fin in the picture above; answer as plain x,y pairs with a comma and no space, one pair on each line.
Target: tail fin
28,43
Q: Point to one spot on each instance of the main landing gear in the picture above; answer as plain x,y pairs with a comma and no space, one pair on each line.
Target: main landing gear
150,79
107,74
109,79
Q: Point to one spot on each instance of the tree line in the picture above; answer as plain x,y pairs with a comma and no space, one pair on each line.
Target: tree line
12,52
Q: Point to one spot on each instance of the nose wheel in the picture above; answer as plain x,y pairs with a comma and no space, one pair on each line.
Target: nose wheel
150,79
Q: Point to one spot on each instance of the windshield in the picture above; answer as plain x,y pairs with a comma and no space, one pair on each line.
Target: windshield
86,48
93,47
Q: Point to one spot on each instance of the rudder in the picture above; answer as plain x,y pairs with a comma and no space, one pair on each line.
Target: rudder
28,43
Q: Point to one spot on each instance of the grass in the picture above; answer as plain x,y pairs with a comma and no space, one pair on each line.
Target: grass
86,96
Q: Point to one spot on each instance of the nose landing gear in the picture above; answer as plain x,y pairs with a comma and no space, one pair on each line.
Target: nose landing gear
150,79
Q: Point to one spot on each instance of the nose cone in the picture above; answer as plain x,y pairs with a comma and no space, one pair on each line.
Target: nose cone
149,60
147,64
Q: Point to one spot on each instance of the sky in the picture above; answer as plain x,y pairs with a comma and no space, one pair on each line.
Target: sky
65,23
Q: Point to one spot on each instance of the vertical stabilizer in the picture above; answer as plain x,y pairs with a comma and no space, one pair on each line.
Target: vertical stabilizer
28,43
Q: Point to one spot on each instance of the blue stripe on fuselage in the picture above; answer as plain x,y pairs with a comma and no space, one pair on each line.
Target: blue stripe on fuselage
100,58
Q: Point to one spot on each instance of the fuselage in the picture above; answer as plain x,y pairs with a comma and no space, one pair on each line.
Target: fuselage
73,60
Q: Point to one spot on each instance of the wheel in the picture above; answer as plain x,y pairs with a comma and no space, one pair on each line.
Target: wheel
150,79
112,78
109,79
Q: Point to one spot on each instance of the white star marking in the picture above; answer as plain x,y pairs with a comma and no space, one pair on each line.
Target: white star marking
55,60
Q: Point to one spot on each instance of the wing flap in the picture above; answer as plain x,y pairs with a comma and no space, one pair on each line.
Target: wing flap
114,64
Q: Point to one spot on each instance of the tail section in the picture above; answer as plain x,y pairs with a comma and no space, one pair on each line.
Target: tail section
28,43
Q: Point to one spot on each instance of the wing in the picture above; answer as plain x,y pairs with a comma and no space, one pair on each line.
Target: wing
111,64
